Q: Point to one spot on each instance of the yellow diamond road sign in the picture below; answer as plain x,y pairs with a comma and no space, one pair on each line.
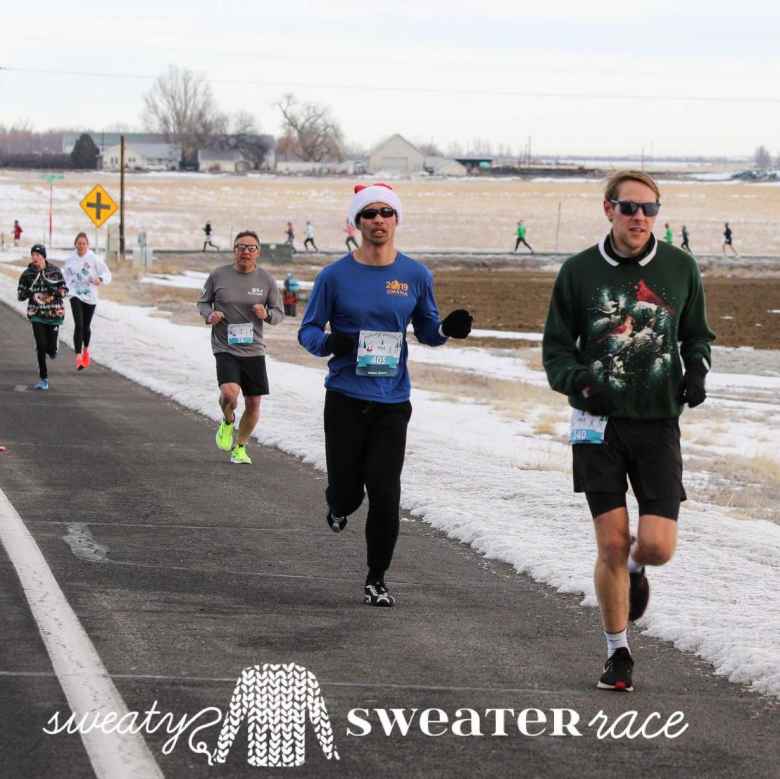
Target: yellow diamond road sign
98,206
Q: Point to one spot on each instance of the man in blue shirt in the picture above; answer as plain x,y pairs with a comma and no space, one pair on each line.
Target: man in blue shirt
369,297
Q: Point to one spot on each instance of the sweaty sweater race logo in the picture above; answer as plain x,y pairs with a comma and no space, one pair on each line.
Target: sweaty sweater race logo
277,701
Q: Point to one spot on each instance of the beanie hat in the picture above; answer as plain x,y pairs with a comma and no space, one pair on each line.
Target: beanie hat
38,248
373,193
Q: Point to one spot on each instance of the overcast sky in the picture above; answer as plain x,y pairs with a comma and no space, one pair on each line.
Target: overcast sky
668,77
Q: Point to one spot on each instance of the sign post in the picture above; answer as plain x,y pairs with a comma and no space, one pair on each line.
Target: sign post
51,178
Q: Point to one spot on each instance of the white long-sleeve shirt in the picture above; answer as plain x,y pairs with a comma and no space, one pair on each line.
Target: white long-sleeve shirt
80,274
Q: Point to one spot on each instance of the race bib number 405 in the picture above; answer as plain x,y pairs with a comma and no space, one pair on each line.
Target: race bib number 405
378,353
586,428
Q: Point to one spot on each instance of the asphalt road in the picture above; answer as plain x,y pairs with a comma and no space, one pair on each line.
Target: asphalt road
184,570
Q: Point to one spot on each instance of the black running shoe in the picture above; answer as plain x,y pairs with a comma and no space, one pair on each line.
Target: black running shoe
638,594
617,672
336,524
376,594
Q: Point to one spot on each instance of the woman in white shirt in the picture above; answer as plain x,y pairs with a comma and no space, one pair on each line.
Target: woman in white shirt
84,272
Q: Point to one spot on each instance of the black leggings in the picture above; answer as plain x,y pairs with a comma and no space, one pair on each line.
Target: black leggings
365,445
45,343
82,319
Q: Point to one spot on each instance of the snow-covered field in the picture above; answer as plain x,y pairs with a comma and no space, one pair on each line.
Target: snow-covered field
717,598
451,214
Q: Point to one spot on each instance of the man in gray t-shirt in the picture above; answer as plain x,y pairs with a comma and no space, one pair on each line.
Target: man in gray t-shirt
236,300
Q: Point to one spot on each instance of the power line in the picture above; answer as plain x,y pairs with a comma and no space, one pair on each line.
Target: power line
423,90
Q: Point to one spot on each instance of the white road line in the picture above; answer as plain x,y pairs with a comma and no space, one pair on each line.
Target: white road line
83,677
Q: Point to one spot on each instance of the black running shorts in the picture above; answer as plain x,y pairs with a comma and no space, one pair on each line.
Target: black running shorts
249,372
646,451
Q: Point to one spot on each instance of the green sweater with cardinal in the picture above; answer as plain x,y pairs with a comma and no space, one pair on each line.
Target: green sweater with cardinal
621,322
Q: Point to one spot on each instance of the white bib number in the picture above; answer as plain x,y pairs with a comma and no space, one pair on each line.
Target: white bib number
378,353
241,334
586,428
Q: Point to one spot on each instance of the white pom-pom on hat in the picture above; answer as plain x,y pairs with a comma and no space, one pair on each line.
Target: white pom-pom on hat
373,193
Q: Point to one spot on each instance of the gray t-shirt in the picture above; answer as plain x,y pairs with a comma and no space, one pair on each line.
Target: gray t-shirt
234,294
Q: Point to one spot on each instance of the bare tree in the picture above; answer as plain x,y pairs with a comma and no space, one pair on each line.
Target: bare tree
309,131
429,149
181,106
245,138
762,158
243,123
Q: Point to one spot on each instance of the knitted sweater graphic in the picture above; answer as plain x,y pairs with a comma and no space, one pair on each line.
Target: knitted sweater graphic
275,700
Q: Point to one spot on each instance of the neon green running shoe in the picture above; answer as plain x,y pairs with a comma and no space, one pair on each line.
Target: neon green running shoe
239,455
225,436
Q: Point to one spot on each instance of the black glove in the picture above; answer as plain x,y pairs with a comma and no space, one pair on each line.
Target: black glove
596,396
339,344
457,324
692,389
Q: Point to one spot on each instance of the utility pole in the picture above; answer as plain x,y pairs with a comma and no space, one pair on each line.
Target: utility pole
122,198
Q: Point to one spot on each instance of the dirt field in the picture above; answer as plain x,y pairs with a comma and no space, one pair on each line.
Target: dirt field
738,308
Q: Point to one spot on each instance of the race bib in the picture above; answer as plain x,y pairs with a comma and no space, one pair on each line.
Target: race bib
241,334
586,428
378,353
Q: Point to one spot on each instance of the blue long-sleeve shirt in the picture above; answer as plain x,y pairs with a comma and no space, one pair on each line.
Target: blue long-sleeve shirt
352,297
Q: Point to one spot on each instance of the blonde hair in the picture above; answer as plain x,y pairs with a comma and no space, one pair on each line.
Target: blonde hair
616,179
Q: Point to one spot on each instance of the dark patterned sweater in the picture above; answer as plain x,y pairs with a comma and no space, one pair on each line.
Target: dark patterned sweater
45,292
622,322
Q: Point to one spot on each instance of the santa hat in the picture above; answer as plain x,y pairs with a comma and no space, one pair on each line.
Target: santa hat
373,193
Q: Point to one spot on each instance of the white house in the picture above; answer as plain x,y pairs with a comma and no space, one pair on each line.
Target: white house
222,161
395,155
142,156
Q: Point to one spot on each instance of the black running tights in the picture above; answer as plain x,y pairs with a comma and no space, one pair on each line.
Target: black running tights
365,445
82,319
45,343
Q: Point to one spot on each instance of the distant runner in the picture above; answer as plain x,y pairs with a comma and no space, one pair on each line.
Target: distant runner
42,285
668,234
17,232
290,233
685,244
369,297
236,300
349,229
521,238
728,239
617,313
207,231
309,233
84,272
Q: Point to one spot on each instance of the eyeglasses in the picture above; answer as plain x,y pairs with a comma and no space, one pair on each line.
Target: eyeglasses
246,247
629,207
371,213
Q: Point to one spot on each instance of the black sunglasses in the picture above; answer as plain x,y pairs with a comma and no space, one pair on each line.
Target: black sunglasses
370,213
629,207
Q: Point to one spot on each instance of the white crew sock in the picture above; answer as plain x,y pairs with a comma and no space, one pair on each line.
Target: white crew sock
615,641
633,565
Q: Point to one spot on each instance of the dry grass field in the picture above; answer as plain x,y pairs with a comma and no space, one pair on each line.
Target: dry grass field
444,214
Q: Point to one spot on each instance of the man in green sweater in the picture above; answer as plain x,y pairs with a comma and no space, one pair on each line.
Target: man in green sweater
618,311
